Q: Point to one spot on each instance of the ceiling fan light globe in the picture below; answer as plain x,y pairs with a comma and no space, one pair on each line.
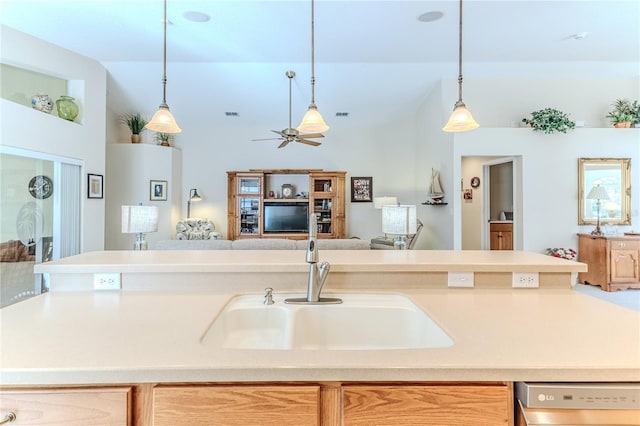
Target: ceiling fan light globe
460,120
312,122
163,121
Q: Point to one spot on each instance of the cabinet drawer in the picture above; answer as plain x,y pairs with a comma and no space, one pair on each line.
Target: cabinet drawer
427,405
501,227
624,245
236,405
85,406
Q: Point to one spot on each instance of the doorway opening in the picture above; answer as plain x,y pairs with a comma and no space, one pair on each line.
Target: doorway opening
491,192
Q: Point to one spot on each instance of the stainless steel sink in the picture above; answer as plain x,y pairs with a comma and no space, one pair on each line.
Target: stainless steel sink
361,322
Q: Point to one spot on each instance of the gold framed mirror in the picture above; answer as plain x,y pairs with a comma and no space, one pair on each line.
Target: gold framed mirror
612,175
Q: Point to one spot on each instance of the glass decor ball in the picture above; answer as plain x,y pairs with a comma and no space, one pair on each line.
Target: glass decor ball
42,102
66,108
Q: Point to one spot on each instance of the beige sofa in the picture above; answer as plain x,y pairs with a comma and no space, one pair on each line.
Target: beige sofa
262,244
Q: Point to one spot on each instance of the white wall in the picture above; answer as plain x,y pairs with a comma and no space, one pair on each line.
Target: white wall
130,168
26,128
550,176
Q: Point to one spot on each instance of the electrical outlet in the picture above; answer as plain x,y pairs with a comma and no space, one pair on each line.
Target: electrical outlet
460,279
106,281
525,280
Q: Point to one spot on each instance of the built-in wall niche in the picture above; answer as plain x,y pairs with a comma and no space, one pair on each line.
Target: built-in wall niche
19,85
274,182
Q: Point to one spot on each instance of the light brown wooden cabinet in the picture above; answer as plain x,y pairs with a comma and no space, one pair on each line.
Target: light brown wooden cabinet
501,236
612,260
104,406
265,404
240,405
249,194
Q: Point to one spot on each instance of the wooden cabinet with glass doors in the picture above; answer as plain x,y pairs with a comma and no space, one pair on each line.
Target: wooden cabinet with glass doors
316,191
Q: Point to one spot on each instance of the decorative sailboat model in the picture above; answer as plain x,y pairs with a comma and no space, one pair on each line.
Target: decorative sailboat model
436,193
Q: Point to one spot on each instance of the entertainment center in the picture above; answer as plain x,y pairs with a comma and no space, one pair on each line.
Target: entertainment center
277,203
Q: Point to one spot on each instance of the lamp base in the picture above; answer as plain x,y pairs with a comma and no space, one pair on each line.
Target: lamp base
597,232
140,243
400,243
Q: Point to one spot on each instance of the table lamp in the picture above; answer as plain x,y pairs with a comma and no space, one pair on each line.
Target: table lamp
139,220
399,220
378,202
597,193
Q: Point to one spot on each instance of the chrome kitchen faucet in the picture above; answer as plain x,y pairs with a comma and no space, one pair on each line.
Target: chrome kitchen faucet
317,275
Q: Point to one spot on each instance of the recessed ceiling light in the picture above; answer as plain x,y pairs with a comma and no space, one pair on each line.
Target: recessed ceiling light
430,16
231,114
194,16
342,114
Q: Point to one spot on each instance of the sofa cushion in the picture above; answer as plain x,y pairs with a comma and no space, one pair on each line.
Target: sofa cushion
337,244
193,245
264,244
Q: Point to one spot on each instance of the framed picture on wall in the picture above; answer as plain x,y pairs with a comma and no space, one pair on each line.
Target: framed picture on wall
95,186
158,190
361,189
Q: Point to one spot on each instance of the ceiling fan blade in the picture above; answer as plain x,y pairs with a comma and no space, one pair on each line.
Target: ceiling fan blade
267,139
284,143
279,132
312,135
312,143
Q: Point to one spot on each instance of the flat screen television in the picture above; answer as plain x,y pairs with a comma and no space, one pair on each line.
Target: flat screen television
286,217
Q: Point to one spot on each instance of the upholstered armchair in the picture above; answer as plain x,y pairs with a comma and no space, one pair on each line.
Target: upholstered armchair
196,229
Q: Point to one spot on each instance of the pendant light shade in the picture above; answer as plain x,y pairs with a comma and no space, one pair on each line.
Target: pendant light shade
312,122
461,119
163,121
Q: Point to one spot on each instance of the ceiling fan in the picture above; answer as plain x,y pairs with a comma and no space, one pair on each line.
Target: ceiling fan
290,134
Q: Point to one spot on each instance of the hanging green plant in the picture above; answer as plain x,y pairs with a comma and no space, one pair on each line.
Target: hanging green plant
549,120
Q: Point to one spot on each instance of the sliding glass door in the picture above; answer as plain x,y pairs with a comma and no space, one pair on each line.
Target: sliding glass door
39,218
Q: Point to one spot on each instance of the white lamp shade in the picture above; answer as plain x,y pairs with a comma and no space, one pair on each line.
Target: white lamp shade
399,219
137,219
598,193
378,202
312,122
460,120
163,121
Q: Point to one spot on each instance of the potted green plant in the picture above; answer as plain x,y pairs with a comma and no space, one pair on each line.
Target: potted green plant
164,139
635,111
136,123
549,120
622,114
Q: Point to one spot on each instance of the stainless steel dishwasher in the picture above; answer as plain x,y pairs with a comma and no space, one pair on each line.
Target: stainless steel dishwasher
577,404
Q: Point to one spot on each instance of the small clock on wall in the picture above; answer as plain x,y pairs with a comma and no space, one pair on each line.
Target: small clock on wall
287,190
40,187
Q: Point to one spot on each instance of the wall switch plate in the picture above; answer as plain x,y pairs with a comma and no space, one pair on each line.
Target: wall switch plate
525,280
106,281
460,279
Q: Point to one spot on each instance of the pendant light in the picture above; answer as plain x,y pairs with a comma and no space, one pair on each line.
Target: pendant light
461,119
312,122
163,121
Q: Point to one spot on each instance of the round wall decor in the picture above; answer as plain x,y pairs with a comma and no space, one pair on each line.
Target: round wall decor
475,182
40,187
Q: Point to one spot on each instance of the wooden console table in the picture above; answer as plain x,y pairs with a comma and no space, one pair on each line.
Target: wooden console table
613,261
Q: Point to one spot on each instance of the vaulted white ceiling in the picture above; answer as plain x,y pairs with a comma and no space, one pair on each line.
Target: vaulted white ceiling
374,59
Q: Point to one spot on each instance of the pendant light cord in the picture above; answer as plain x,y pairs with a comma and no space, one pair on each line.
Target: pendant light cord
460,57
313,78
164,59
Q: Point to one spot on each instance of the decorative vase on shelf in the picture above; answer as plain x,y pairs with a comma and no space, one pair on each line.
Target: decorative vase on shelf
66,108
136,138
42,102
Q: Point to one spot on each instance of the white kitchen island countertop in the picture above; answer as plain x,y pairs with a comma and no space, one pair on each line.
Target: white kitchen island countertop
151,336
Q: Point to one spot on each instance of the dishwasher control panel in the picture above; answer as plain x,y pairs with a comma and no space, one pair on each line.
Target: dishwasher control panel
620,396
